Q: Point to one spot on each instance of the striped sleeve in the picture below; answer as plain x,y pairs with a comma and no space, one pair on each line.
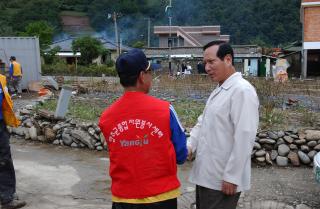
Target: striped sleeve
178,137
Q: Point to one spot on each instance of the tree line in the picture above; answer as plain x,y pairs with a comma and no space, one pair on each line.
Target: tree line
267,23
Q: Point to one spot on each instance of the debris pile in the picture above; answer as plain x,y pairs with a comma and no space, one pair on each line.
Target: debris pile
41,126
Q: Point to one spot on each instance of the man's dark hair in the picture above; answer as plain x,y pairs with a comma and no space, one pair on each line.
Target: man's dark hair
128,80
224,49
13,58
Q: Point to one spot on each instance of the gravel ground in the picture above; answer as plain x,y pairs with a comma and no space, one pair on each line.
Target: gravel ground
51,176
58,177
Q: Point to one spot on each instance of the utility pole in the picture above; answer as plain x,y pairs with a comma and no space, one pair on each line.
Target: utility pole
169,13
116,34
149,25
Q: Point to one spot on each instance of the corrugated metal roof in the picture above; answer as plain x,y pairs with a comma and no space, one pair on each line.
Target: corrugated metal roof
66,44
27,52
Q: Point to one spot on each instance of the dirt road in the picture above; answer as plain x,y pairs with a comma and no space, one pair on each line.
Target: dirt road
52,177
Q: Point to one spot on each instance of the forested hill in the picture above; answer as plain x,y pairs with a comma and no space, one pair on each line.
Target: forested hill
265,22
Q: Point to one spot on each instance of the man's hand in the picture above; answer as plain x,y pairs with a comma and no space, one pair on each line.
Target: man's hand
229,188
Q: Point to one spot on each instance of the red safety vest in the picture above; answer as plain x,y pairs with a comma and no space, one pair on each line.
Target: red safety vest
142,156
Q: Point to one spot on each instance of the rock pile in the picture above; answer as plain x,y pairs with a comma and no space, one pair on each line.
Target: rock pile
63,132
283,148
286,147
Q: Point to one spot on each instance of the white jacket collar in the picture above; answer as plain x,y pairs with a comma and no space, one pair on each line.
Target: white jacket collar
231,80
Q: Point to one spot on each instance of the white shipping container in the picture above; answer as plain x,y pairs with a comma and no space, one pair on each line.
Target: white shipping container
27,52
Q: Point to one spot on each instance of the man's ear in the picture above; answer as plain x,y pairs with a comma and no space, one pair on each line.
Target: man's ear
141,77
228,59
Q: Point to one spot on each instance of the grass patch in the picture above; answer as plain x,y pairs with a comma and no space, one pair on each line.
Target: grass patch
50,105
89,110
273,118
189,96
308,117
82,110
188,111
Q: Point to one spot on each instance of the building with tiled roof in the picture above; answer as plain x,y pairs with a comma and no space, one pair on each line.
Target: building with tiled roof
310,18
188,36
66,48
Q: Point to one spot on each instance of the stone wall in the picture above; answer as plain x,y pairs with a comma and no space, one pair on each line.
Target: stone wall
67,132
291,147
282,148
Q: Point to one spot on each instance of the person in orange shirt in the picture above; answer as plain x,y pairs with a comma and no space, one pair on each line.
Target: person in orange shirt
15,75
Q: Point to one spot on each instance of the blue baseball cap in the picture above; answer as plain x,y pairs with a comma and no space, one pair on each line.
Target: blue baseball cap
132,62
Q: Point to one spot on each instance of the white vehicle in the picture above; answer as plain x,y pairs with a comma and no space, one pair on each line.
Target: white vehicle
316,167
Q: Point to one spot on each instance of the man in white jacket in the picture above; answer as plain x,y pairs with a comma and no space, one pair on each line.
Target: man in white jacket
224,135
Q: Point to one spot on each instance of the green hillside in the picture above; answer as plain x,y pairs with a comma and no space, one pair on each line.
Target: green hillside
272,22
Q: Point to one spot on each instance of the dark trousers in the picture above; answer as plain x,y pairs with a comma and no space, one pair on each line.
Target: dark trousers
167,204
15,85
7,173
213,199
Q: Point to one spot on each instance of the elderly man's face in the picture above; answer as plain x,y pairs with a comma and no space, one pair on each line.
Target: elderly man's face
214,66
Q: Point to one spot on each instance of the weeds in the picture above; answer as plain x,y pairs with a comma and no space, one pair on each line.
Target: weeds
50,105
190,94
188,111
309,117
272,118
79,110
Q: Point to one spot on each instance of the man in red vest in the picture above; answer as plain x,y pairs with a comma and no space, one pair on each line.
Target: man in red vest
145,141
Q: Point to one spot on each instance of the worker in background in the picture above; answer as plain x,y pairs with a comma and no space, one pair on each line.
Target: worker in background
2,67
15,76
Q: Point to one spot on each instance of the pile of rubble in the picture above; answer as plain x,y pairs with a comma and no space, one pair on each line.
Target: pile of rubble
284,147
39,126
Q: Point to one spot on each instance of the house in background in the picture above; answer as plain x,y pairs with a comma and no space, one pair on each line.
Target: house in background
292,53
247,58
184,44
310,18
188,36
66,50
70,57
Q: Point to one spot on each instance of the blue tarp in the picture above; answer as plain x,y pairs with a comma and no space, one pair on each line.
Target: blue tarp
156,66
